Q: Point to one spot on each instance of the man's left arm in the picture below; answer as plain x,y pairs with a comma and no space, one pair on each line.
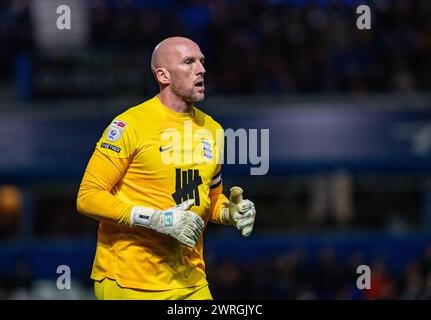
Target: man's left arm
233,211
217,198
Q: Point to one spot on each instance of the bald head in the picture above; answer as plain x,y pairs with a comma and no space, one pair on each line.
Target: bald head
168,50
178,66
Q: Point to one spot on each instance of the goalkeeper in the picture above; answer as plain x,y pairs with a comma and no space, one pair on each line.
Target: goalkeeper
152,212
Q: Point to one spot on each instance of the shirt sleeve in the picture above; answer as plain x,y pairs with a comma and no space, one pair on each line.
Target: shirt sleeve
119,139
110,160
217,197
95,198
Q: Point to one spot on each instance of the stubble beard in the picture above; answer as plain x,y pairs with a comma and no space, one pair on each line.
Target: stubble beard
188,95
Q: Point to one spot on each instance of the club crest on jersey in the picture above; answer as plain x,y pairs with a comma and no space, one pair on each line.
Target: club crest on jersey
115,130
208,153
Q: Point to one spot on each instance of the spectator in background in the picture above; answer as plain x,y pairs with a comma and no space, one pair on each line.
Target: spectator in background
331,199
413,281
382,286
328,274
277,47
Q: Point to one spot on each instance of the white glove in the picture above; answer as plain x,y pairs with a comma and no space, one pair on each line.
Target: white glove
238,212
177,222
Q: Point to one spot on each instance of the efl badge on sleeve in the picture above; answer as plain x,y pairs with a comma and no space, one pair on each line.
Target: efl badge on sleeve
115,130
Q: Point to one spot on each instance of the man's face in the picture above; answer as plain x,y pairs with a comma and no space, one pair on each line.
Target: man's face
187,72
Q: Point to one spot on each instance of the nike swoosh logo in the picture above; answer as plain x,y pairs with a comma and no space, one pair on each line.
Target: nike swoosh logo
164,149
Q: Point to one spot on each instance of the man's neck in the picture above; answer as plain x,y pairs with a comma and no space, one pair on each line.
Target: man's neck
172,102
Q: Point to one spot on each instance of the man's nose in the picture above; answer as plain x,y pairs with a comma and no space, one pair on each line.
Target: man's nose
200,69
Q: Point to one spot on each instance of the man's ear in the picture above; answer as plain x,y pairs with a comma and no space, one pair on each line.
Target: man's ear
163,76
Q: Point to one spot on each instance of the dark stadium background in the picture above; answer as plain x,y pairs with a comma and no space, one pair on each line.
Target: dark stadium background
349,114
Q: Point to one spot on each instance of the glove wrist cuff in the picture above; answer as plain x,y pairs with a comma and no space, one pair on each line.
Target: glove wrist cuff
141,216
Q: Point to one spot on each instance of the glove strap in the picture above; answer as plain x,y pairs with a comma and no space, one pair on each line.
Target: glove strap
141,216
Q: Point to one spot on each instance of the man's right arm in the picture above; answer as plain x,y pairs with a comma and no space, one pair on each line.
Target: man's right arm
107,165
95,198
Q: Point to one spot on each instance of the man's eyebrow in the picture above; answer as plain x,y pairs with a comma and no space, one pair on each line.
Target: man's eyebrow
193,58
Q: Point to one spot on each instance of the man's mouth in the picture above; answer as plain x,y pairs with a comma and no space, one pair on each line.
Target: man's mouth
200,84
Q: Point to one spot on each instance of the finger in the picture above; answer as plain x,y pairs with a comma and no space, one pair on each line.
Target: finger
194,225
235,195
245,223
186,205
187,237
247,231
188,242
245,205
196,218
193,233
245,214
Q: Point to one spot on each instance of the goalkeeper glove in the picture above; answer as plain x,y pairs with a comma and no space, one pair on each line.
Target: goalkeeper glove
176,222
238,212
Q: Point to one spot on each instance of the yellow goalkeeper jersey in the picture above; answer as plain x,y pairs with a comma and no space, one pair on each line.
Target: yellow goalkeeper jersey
154,157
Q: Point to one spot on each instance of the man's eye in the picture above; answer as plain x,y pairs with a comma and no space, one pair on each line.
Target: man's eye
189,61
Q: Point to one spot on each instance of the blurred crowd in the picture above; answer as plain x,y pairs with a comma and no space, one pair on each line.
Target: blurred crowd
251,47
291,275
260,46
295,276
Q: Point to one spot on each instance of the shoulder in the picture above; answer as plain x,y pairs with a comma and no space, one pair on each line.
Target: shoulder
142,111
144,115
206,120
